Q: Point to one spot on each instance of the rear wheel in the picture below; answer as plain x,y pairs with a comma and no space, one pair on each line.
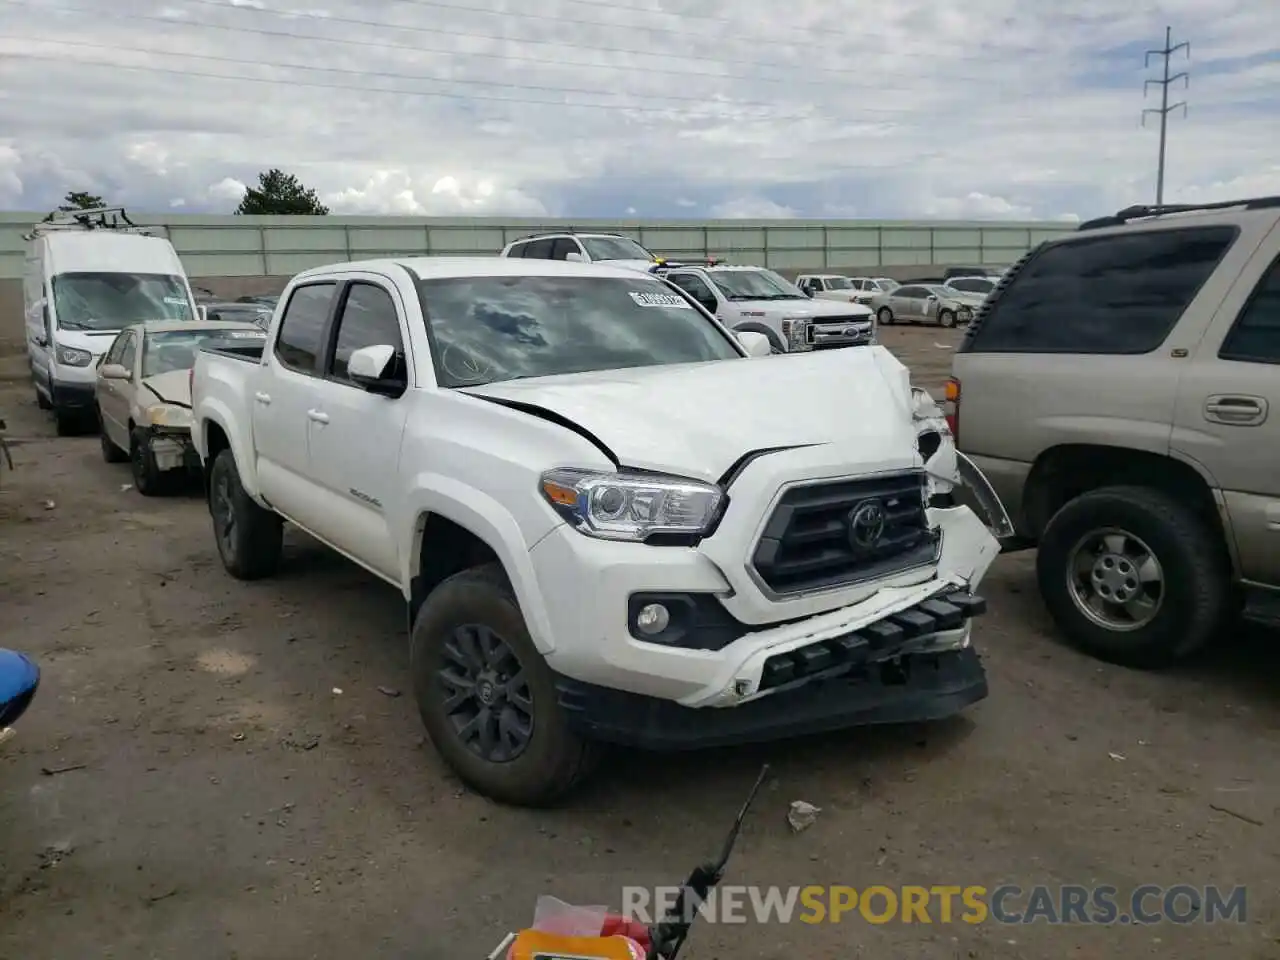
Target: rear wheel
250,538
885,316
487,697
1134,576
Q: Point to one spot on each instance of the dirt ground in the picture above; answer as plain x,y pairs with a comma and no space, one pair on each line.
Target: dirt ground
222,770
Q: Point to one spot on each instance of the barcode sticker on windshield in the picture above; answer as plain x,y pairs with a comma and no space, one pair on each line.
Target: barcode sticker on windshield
176,301
660,300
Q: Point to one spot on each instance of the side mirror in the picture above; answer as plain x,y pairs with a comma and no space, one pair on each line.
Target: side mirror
573,257
756,344
115,371
933,298
374,369
202,312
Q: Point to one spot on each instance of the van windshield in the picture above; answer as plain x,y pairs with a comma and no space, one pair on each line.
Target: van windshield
112,301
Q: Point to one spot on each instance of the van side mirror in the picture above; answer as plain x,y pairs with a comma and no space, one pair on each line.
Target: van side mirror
202,312
115,371
376,370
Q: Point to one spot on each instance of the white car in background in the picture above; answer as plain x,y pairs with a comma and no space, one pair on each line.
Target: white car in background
758,300
613,249
827,286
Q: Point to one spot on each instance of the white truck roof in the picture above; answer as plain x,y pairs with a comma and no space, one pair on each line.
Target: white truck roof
447,267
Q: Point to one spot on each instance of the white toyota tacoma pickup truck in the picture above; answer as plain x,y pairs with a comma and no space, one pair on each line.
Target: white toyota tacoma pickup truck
611,519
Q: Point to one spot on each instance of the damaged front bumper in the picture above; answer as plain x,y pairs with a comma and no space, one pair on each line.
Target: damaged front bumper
172,449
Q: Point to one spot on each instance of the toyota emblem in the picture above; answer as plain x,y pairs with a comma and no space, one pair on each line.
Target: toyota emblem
866,524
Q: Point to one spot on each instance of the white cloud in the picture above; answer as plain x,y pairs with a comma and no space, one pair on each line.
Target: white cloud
751,208
400,192
929,108
226,192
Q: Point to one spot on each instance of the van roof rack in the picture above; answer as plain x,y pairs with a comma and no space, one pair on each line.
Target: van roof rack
1142,211
95,218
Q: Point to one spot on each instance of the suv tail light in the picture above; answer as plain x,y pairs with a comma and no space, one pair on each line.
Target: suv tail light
951,397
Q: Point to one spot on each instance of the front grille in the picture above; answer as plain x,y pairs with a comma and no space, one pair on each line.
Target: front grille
854,318
812,543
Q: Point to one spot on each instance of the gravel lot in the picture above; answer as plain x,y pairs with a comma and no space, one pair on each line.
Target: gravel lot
222,770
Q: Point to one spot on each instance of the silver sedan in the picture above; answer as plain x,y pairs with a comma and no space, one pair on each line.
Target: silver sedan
920,303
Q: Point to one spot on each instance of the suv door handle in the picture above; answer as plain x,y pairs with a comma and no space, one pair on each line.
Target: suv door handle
263,398
1236,411
318,416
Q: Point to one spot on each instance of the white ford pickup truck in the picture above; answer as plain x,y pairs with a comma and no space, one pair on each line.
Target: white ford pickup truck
611,519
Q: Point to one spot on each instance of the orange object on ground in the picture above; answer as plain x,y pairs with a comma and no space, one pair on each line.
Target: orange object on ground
537,945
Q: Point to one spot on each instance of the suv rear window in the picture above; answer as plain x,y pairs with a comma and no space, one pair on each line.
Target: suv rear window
1118,294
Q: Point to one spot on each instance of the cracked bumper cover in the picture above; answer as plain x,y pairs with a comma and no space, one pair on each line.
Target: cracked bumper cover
911,689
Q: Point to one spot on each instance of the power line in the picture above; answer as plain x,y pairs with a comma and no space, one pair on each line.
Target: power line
861,35
1165,106
595,48
620,108
393,75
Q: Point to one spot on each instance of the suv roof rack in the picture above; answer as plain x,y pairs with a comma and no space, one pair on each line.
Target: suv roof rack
96,218
571,232
1142,211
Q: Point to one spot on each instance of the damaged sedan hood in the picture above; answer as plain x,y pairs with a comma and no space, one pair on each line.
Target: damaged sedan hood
699,420
173,387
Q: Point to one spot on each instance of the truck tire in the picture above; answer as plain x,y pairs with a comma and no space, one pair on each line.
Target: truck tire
1133,576
885,317
486,696
249,537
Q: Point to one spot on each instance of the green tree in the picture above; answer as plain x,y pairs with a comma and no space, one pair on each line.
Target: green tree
80,200
280,193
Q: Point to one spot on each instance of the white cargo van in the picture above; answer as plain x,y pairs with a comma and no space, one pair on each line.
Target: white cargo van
88,275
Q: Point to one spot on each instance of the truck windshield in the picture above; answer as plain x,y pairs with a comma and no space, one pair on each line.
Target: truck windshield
614,248
753,285
488,329
112,301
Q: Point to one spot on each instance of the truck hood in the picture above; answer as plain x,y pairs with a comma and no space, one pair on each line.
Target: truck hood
172,387
815,308
698,420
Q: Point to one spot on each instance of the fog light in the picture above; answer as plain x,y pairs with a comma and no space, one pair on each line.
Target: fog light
652,619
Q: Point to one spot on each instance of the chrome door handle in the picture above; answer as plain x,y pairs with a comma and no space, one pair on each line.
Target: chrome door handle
263,398
318,416
1237,411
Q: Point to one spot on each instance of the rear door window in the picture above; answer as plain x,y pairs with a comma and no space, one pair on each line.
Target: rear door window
302,326
1255,338
1117,294
539,250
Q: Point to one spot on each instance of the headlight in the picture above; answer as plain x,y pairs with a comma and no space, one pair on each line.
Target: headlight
73,357
165,415
618,506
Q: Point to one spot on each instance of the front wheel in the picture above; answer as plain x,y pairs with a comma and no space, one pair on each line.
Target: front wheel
487,697
947,318
1133,576
885,316
249,537
147,475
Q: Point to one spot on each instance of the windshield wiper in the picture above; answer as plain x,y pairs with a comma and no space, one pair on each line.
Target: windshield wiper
73,325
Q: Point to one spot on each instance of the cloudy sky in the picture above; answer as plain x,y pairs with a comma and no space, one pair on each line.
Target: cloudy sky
1012,109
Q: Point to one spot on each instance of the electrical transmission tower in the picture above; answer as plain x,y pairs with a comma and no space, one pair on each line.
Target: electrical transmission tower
1165,107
